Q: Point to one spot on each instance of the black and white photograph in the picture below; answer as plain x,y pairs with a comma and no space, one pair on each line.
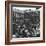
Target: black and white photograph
25,22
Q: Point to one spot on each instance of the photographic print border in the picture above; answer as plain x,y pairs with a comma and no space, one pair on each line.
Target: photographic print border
7,31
